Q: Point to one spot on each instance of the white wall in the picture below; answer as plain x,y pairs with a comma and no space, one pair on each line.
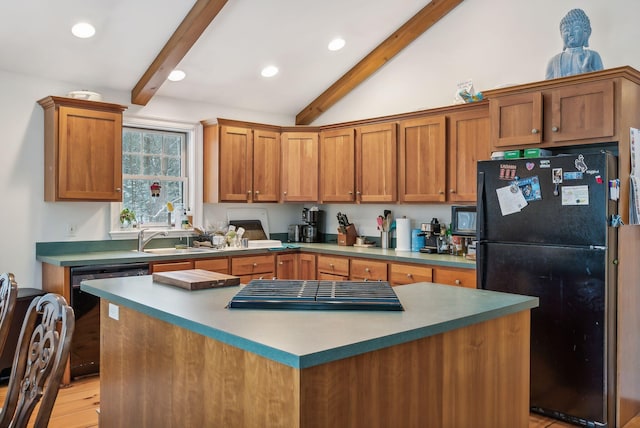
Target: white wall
494,42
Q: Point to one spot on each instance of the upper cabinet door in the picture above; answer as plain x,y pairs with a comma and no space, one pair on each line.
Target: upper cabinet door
266,165
299,172
422,159
516,119
236,164
469,142
83,150
582,111
337,165
376,163
90,155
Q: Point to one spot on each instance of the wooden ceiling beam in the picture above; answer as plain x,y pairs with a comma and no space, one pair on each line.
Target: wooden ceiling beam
400,39
190,29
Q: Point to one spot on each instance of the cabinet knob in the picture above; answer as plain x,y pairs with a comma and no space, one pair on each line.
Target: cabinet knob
331,265
458,282
367,270
555,129
440,192
534,131
358,193
284,193
452,190
248,192
409,275
118,189
257,192
255,265
281,263
351,192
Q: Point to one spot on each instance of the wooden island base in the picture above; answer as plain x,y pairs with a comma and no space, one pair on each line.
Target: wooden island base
156,374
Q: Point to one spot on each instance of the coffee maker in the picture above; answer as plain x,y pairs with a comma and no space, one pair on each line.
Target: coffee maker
431,233
312,219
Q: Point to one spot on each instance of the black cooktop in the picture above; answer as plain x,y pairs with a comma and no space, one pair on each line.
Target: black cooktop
307,294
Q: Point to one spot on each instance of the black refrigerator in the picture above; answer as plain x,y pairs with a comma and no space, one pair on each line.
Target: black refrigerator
546,229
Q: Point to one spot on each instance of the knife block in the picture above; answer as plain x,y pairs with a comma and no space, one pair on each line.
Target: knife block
349,237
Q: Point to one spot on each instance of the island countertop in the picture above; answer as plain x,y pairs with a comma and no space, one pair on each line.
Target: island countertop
306,338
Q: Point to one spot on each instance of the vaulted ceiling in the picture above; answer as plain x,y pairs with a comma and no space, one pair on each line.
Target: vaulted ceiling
221,44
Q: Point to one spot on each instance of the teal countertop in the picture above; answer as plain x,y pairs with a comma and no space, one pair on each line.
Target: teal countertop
106,252
303,339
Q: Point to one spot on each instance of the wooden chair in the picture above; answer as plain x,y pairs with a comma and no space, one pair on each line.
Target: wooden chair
39,362
8,294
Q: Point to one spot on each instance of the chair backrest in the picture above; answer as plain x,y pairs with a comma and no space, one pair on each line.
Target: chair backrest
39,362
8,294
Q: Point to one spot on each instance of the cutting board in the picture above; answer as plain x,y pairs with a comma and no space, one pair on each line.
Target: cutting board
196,279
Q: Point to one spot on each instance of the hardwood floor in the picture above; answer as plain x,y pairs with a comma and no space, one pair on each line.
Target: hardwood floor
77,403
75,406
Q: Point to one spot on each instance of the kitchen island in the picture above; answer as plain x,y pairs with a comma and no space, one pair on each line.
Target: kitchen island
455,357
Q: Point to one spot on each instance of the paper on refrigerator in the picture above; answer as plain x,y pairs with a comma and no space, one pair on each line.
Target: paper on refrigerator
634,179
511,199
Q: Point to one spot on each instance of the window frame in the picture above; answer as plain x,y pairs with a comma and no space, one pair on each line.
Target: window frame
193,144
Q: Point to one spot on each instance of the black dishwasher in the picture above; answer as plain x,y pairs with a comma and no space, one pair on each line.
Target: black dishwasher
85,346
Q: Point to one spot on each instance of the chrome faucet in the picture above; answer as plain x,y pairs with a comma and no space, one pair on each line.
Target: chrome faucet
142,241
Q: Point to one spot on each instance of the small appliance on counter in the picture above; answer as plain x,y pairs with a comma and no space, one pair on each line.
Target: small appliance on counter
312,218
295,232
431,233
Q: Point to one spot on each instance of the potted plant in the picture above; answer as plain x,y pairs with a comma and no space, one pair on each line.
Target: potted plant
127,218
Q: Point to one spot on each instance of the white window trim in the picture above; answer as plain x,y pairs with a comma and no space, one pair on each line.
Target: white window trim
194,152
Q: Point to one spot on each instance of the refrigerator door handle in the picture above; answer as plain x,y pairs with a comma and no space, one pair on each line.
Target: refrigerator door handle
481,201
481,205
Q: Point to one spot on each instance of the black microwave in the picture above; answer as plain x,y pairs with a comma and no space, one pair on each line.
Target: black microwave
463,220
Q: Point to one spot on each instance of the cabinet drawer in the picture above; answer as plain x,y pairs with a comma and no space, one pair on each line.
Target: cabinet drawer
169,266
253,265
368,270
408,274
460,277
333,265
220,265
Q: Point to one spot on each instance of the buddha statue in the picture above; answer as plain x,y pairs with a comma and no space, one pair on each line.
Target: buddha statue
575,30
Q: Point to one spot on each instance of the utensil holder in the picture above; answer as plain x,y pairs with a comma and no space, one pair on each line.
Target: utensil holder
348,238
384,239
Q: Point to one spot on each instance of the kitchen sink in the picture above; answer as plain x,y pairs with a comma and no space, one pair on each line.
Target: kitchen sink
178,250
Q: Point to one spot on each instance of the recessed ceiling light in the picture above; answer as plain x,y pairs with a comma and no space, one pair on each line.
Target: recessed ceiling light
177,75
269,71
336,44
83,30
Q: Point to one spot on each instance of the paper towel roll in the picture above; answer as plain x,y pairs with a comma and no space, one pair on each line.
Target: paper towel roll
403,234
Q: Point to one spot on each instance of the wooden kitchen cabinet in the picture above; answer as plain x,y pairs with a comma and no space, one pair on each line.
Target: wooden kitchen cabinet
300,167
337,165
287,266
248,167
220,264
455,276
422,159
578,113
306,266
401,274
334,268
376,163
169,266
253,267
469,141
367,270
83,150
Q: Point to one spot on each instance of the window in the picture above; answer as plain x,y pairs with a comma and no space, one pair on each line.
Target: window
154,173
163,152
